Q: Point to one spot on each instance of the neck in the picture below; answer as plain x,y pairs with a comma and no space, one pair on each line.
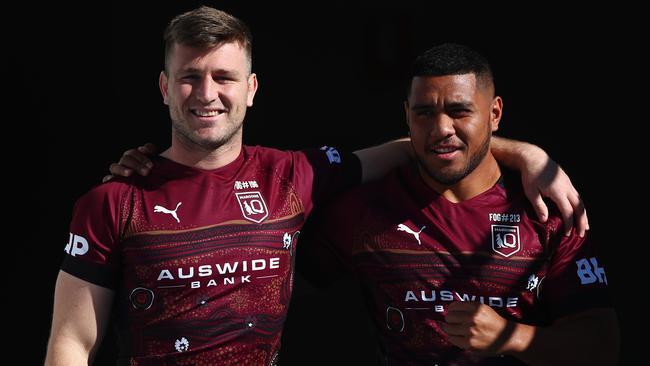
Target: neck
481,179
190,154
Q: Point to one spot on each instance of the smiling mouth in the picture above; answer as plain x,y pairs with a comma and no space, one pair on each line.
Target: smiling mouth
207,112
444,150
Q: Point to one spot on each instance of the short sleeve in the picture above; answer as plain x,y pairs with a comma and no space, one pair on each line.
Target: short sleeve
322,173
91,249
576,279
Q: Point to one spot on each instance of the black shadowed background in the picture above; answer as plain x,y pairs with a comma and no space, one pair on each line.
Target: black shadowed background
82,86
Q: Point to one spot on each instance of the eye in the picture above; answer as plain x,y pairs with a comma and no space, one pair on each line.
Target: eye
223,79
190,77
424,112
460,113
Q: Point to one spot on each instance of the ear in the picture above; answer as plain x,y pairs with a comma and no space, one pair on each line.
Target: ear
252,88
496,112
162,84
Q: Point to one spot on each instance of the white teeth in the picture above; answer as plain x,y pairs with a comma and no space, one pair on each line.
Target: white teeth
205,113
444,150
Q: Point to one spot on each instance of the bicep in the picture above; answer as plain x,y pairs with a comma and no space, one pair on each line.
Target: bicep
602,321
377,161
593,330
81,313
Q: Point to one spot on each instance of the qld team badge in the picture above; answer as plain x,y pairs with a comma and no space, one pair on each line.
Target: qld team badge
252,206
505,239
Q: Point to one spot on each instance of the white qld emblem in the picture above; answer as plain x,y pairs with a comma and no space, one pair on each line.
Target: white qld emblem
252,206
505,239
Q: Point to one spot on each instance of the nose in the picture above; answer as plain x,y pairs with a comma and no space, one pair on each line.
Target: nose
207,90
443,126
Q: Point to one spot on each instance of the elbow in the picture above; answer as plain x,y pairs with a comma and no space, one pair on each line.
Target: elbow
612,344
61,351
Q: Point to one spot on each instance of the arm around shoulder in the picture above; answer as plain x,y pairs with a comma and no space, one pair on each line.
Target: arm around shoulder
378,160
81,313
543,177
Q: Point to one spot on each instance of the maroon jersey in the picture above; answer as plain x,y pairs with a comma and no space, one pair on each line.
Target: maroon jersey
415,252
201,261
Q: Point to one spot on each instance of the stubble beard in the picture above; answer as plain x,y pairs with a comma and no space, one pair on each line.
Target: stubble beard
452,177
188,138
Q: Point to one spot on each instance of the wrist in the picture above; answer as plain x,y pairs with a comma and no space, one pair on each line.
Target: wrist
520,340
531,156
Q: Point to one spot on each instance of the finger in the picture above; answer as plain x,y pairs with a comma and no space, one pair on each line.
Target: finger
119,170
131,162
457,317
541,210
566,211
148,149
580,213
107,178
458,341
458,330
139,157
463,306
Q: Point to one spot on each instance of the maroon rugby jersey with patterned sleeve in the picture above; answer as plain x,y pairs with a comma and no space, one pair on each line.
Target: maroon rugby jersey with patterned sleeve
416,252
201,261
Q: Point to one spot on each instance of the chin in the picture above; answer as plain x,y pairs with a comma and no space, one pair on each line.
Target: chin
445,176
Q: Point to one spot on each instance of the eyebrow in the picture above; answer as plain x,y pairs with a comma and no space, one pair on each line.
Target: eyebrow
460,104
417,107
192,70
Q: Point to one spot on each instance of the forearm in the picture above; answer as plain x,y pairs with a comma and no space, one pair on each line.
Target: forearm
590,338
377,161
516,154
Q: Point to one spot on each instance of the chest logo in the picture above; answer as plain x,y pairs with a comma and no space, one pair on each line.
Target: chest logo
505,239
402,227
158,208
252,206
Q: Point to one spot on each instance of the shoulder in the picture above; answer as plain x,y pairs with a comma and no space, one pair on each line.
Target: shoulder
271,161
106,195
267,154
373,192
514,192
325,158
109,190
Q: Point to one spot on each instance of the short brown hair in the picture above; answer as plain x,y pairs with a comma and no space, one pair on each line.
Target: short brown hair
204,28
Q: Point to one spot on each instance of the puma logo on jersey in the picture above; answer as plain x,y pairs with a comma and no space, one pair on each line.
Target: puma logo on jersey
158,208
402,227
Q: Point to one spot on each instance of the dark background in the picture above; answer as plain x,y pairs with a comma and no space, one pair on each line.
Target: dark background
82,87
